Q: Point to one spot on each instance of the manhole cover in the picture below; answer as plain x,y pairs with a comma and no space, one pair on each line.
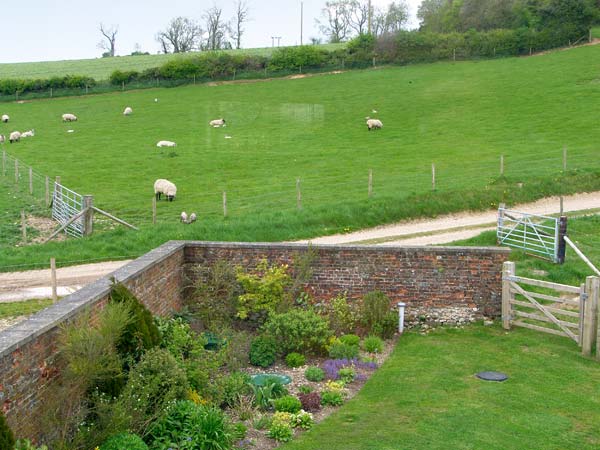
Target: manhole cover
492,376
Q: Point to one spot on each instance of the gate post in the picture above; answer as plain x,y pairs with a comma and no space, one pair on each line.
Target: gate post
508,270
88,217
562,246
501,207
589,315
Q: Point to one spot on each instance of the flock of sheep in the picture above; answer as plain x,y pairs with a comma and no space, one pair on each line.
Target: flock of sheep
15,136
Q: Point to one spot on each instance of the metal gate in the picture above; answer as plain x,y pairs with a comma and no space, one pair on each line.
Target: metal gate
65,205
539,235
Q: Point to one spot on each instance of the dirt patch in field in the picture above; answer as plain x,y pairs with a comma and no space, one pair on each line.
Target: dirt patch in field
45,227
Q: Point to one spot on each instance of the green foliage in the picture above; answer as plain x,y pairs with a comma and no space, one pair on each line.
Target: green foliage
123,441
263,351
375,307
7,438
342,316
189,426
25,444
119,77
11,86
303,419
314,373
329,398
305,389
346,375
233,386
339,350
305,56
298,330
295,359
270,390
264,291
373,344
386,328
281,427
350,339
287,403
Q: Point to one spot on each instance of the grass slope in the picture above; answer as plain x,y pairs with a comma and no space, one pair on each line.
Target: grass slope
461,116
426,396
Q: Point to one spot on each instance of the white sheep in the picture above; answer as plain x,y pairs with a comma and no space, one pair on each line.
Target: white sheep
28,133
5,118
128,111
216,123
166,144
15,136
192,218
184,217
373,124
69,117
2,139
162,186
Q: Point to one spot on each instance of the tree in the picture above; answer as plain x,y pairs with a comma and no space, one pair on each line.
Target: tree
336,25
182,35
396,17
241,16
110,36
216,29
359,16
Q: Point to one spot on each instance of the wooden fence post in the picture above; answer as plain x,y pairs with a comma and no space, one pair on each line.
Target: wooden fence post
53,279
47,191
154,210
88,217
224,203
370,182
433,176
454,54
298,194
30,181
562,246
508,270
590,315
23,226
501,165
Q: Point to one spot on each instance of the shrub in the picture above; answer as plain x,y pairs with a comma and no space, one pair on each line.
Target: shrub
332,398
287,403
303,419
375,306
346,375
339,350
269,391
7,439
233,386
350,339
298,331
387,327
305,389
25,444
373,344
263,351
281,427
235,355
119,77
314,373
295,359
124,441
311,401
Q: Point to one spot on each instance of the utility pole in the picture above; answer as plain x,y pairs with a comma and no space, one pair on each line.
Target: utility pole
301,20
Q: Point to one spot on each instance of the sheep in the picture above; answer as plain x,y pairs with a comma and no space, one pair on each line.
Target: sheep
166,144
2,139
69,117
184,217
128,111
5,118
192,218
15,136
216,123
373,124
162,186
29,133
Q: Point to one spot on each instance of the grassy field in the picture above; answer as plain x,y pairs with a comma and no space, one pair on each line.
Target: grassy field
13,309
101,68
461,116
427,397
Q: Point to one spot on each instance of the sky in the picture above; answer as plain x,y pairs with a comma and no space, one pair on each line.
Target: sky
43,30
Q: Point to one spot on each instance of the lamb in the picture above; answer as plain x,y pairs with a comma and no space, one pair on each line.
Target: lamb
373,124
192,218
184,217
2,139
15,136
5,118
216,123
29,133
128,111
69,117
166,144
162,186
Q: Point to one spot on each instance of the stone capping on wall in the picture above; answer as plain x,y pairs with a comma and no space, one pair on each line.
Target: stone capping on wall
20,334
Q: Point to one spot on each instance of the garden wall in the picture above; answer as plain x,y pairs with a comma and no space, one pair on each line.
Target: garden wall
426,278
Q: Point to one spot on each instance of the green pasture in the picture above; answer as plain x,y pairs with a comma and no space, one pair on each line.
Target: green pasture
460,116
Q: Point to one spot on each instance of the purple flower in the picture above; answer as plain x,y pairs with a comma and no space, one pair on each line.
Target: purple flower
331,367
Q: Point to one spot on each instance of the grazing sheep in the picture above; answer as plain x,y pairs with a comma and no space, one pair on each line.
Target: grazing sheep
15,136
2,139
128,111
29,133
162,186
216,123
184,217
373,124
166,144
5,118
69,117
192,218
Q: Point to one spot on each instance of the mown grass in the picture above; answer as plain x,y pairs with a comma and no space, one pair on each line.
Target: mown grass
427,397
14,309
461,116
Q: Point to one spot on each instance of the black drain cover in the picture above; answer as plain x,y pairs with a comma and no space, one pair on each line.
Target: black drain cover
492,376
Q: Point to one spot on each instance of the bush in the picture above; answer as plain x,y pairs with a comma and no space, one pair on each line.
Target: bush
281,427
305,56
310,401
342,315
350,339
303,420
375,306
339,350
263,351
287,403
332,398
346,375
124,441
269,391
232,386
305,389
373,344
7,438
314,373
387,327
295,360
298,331
25,444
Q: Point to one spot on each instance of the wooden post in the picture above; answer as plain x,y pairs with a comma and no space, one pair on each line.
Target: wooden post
50,92
370,182
16,171
501,165
224,204
508,270
433,176
373,61
122,85
30,181
233,75
53,279
562,246
154,210
298,194
565,158
454,54
194,78
589,316
501,207
47,191
88,217
23,226
530,51
86,89
57,186
590,38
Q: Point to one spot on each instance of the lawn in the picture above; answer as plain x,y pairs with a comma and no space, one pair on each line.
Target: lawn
13,309
426,396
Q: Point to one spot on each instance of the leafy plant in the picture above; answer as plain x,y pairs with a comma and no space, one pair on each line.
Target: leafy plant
281,427
375,306
339,350
263,351
342,316
287,403
269,391
295,360
346,375
7,438
243,407
311,401
25,444
330,398
303,419
262,422
386,328
124,441
299,331
373,344
350,339
314,373
305,389
234,386
235,355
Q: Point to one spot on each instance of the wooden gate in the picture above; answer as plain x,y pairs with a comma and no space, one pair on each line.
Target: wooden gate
553,308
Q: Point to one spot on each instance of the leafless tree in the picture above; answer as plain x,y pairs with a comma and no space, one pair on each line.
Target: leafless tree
110,37
378,22
216,29
182,35
359,16
336,24
241,16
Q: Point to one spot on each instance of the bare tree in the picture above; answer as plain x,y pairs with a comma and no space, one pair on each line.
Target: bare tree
182,35
336,15
241,16
216,29
110,37
359,16
396,16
